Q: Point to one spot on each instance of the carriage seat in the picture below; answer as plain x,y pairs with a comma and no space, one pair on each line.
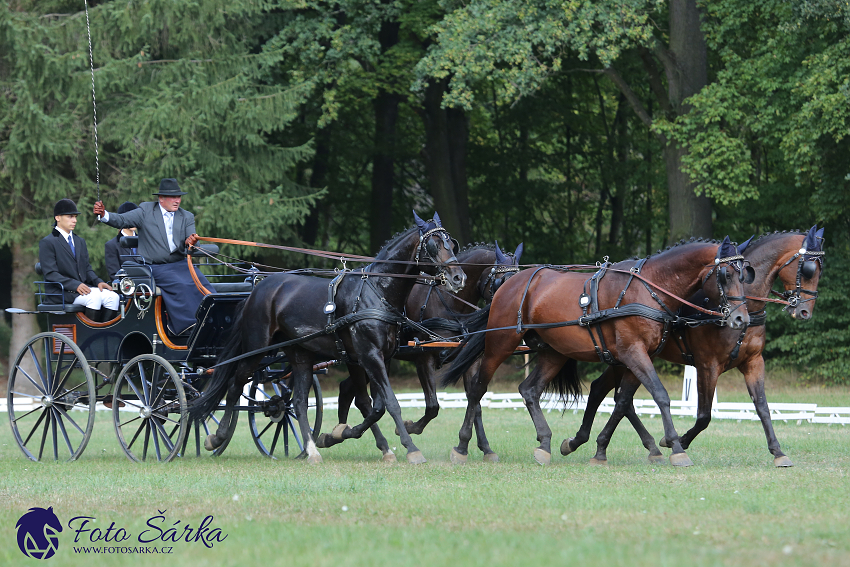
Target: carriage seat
69,307
233,287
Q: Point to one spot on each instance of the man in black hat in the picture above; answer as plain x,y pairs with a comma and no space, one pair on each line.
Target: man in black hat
114,253
64,259
166,232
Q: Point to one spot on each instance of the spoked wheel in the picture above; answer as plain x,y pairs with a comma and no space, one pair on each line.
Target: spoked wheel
149,409
51,398
272,417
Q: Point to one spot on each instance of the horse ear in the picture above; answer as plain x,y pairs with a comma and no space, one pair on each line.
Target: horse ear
811,241
742,247
437,219
419,222
517,254
500,256
819,234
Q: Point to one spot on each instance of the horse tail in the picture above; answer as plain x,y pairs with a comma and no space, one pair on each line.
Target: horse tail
224,375
566,383
471,349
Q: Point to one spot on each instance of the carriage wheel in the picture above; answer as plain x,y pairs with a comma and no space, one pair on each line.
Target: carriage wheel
272,416
149,409
55,422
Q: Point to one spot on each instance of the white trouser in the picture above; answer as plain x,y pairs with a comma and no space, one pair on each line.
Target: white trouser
97,297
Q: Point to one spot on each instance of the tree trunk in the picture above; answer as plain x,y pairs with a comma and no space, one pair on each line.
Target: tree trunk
687,73
318,180
381,204
458,132
386,114
619,197
23,326
442,169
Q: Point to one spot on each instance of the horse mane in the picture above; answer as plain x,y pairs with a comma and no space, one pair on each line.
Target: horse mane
682,242
480,246
392,239
778,233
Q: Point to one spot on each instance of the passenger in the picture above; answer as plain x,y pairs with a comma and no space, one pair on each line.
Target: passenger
166,231
115,254
64,259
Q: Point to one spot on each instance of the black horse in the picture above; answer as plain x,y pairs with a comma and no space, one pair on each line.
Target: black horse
444,315
305,313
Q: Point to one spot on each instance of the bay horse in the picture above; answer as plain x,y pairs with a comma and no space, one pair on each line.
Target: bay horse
484,264
796,259
354,317
571,316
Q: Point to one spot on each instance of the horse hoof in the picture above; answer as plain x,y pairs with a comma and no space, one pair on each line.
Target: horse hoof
664,443
681,460
210,444
322,441
389,457
656,459
542,457
456,458
338,431
565,446
315,459
595,461
416,458
782,461
408,425
491,458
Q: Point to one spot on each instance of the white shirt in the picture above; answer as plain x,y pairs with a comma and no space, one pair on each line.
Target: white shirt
168,219
64,234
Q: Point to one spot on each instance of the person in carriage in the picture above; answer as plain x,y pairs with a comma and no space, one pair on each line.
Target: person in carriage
166,233
114,256
64,259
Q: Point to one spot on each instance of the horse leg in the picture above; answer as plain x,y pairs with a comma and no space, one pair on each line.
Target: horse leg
549,362
244,372
638,361
753,370
490,456
426,370
346,397
496,351
599,388
623,404
302,379
707,376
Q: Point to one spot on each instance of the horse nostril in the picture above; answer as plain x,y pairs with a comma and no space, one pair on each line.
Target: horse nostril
805,314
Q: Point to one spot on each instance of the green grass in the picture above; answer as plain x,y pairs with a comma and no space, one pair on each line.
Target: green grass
732,508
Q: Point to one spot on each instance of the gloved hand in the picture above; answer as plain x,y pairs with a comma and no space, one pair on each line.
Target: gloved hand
98,209
192,240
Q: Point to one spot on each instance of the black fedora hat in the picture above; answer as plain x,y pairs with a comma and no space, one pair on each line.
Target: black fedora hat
65,207
168,187
126,207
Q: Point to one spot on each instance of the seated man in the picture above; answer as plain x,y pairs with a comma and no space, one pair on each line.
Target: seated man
166,232
64,259
114,253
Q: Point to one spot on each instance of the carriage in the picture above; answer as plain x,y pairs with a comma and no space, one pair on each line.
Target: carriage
145,374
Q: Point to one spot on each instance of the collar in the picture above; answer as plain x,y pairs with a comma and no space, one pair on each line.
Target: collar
163,211
62,232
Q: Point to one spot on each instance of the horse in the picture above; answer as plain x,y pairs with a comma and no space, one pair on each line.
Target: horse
484,264
797,260
572,317
354,317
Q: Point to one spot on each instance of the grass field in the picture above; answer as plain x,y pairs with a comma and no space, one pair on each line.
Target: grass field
732,508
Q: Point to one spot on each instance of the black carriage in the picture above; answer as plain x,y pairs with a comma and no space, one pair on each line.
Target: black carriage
141,371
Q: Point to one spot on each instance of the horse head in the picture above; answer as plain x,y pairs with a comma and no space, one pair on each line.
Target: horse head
506,265
801,279
437,248
730,272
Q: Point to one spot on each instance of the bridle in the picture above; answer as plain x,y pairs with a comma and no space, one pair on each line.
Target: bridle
805,268
430,251
747,274
494,281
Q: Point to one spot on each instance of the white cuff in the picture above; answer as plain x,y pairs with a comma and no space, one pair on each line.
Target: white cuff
105,216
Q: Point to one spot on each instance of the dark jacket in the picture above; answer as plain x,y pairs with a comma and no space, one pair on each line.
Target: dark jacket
151,230
58,264
116,255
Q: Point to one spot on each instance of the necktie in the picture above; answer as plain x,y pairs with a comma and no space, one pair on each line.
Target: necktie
71,242
169,225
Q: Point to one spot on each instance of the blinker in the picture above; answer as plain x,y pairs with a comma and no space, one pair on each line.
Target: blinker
808,269
748,275
723,276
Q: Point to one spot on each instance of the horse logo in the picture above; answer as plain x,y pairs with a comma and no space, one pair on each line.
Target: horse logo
38,533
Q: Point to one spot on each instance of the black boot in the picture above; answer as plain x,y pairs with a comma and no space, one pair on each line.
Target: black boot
93,314
109,314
